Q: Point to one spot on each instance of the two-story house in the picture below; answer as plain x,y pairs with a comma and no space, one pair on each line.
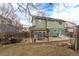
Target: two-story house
55,26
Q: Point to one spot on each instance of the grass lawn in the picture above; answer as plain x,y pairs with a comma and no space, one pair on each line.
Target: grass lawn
37,49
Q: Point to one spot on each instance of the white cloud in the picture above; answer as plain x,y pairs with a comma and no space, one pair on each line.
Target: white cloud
68,14
63,15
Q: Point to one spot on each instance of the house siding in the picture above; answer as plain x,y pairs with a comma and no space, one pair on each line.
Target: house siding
55,24
54,27
39,23
6,25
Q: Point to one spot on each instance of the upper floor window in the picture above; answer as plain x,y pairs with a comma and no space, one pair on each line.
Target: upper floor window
60,22
39,20
2,21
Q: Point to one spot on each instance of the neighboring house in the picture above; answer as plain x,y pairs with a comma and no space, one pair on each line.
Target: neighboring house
56,27
70,29
6,25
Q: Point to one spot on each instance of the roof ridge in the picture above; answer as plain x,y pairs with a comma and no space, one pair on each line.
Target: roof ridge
48,18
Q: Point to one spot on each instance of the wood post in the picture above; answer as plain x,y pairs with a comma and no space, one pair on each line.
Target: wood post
32,36
48,34
42,30
75,44
76,40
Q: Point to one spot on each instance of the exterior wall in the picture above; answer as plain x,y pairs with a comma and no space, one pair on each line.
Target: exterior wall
70,26
54,27
6,25
39,23
54,24
70,29
56,32
7,28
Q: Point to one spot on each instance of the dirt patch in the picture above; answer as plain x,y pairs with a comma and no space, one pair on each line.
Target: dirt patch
36,49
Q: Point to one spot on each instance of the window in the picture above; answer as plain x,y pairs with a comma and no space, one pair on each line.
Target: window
2,21
39,20
60,22
55,30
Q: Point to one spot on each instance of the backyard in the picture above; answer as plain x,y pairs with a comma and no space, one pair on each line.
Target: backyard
37,49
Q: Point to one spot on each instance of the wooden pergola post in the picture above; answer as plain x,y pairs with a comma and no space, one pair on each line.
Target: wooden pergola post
42,30
76,40
32,36
75,44
48,34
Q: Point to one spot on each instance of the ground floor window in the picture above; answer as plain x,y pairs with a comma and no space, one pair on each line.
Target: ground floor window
56,32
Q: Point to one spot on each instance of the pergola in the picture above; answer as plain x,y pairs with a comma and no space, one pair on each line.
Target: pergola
39,30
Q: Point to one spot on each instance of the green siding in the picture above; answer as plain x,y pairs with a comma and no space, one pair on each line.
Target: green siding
56,31
54,26
39,24
39,35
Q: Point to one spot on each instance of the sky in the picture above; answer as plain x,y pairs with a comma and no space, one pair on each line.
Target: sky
69,12
64,11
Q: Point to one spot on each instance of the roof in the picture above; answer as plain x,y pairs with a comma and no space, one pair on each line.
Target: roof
77,26
52,19
48,18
